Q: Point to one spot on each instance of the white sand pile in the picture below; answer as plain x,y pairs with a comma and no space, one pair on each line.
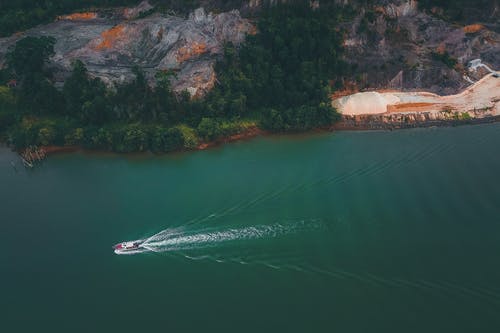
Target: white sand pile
365,103
484,94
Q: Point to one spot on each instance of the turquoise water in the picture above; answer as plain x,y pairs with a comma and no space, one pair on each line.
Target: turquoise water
348,232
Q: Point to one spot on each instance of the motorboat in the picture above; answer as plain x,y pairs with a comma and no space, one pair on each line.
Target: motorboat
129,247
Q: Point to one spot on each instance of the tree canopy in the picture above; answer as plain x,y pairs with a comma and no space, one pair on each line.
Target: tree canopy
280,80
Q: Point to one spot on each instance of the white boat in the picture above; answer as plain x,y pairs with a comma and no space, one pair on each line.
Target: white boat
130,247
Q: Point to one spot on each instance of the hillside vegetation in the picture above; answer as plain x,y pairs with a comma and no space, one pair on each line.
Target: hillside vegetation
279,80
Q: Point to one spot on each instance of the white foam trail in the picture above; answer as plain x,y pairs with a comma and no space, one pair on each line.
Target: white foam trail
164,234
173,240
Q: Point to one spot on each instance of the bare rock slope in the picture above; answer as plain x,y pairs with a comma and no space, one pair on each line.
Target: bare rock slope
110,45
394,44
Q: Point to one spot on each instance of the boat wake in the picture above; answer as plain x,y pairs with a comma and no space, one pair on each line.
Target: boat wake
180,239
246,246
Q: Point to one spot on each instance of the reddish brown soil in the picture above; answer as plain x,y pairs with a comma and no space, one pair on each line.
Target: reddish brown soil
249,133
187,52
409,107
59,149
79,16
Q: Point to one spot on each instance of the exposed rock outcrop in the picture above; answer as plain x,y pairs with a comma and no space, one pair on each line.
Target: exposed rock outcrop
110,47
413,120
401,9
135,12
389,43
391,37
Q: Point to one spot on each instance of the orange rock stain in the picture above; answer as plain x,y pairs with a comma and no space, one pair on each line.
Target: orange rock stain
109,37
189,51
409,107
78,16
473,28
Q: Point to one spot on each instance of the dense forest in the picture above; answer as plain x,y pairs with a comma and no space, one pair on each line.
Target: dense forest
279,80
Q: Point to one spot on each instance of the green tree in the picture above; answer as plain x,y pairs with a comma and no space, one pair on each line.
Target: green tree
285,69
27,60
76,88
208,129
30,55
46,136
163,106
86,99
7,108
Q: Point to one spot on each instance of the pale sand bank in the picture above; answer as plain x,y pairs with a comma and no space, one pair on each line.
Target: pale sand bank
482,95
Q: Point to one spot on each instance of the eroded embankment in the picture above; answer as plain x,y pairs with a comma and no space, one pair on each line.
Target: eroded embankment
478,103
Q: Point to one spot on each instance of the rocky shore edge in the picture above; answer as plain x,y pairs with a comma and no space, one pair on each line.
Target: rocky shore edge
406,121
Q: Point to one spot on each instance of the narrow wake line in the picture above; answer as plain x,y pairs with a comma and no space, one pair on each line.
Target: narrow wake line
423,285
176,240
240,206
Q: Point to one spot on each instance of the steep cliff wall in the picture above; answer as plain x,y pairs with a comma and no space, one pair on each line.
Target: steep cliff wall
398,45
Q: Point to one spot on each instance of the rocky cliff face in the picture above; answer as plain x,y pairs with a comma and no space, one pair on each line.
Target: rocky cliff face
394,44
111,44
390,43
413,120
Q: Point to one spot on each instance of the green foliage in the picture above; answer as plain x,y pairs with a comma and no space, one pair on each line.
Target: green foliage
283,73
86,98
166,139
30,55
445,58
189,137
208,129
130,138
211,129
46,135
7,108
27,62
280,78
100,138
7,100
300,118
462,116
75,137
40,131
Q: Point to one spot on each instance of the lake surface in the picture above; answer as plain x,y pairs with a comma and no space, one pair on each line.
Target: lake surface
345,232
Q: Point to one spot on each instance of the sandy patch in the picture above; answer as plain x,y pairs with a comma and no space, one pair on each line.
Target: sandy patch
482,95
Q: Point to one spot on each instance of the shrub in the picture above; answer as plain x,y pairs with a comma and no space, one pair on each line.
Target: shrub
189,137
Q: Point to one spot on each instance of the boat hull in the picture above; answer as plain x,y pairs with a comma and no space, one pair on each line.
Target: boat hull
131,251
131,247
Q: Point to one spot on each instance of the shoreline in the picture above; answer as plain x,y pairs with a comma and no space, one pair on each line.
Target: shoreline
362,123
54,150
383,110
379,122
250,133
